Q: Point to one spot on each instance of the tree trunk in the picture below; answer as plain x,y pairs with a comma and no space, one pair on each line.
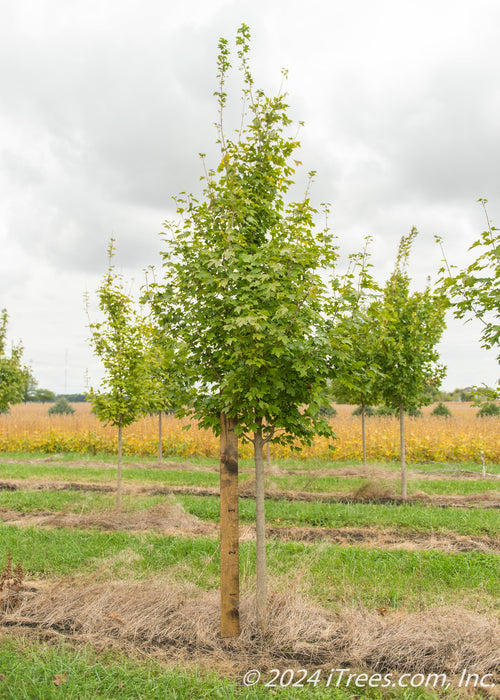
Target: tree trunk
261,597
229,536
402,449
160,443
363,434
119,469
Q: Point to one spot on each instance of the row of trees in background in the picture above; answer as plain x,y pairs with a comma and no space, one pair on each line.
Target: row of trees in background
393,334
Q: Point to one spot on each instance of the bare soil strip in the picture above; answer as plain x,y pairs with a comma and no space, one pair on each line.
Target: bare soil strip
370,493
179,624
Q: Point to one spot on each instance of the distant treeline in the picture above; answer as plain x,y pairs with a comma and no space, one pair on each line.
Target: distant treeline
47,396
73,398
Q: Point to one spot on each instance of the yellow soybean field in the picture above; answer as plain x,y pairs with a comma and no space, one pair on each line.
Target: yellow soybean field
461,438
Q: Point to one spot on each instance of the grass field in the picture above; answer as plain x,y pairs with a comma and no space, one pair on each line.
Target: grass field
125,604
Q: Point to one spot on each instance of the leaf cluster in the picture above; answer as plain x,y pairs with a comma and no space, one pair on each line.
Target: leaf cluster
490,408
441,410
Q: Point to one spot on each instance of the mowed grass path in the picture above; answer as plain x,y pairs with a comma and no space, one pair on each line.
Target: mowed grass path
207,476
410,517
107,474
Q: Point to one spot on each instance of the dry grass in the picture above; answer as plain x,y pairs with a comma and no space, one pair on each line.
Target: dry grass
461,438
180,624
167,518
373,537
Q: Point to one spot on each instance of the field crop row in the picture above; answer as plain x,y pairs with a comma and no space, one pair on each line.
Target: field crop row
462,438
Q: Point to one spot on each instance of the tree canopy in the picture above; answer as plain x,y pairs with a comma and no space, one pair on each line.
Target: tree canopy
14,376
242,291
475,291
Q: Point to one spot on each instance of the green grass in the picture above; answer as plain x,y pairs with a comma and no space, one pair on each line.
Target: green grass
72,501
108,475
55,501
333,574
30,670
454,486
348,484
293,463
410,516
61,551
209,479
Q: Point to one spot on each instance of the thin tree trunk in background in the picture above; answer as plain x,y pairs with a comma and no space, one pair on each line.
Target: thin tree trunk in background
402,450
160,443
363,433
119,469
229,535
268,453
261,593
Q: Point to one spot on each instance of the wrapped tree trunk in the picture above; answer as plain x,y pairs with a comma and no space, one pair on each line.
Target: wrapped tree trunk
229,535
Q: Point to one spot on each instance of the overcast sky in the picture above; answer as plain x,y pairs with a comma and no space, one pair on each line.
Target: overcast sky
105,105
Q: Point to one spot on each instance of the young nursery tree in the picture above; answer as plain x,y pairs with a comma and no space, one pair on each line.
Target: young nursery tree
410,326
164,376
119,342
13,374
167,385
243,295
357,379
